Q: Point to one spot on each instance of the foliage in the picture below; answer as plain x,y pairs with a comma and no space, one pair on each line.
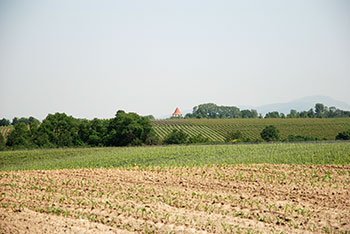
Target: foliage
321,111
4,122
93,132
129,129
24,120
150,117
176,137
249,114
345,135
270,133
58,130
273,114
300,138
212,111
19,137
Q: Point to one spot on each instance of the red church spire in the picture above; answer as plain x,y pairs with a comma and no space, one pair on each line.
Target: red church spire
177,112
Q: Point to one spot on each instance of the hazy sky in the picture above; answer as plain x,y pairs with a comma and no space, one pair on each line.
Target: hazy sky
91,58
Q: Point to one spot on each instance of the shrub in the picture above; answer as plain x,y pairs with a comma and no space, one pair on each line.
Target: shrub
345,135
270,133
301,138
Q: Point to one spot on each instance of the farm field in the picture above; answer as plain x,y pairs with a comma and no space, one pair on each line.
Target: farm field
242,198
177,155
256,188
217,129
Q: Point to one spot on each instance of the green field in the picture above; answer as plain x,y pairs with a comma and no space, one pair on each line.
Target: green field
217,129
191,155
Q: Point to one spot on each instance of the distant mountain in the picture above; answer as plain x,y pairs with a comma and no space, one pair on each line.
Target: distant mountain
302,104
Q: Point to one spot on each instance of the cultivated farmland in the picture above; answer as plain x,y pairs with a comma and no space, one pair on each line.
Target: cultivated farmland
217,129
294,188
215,199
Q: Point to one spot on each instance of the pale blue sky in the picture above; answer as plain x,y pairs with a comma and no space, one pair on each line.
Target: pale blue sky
91,58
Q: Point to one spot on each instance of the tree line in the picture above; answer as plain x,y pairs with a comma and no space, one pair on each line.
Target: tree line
61,130
213,111
321,111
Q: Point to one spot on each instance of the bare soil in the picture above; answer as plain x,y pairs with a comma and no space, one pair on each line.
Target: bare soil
215,199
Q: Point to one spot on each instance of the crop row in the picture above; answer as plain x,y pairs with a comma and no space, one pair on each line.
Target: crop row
90,195
251,128
156,199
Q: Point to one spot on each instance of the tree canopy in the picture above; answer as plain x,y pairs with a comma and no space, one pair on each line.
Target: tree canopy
213,111
129,129
270,133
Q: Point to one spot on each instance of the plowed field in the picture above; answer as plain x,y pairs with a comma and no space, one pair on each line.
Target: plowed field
260,198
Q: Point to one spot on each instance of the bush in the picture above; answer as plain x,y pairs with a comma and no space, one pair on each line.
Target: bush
176,137
345,135
301,138
270,133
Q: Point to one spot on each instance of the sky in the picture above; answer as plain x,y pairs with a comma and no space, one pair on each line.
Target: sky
91,58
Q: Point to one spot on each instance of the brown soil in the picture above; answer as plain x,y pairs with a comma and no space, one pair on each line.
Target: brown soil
218,199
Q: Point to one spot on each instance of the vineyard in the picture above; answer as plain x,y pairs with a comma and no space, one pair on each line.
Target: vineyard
217,129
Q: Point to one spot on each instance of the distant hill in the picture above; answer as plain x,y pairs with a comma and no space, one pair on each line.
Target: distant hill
302,104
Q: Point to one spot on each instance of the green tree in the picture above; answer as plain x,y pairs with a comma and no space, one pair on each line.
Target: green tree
4,122
320,110
311,113
273,114
270,133
249,114
93,132
58,130
150,117
19,137
129,129
14,121
293,114
176,137
212,111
